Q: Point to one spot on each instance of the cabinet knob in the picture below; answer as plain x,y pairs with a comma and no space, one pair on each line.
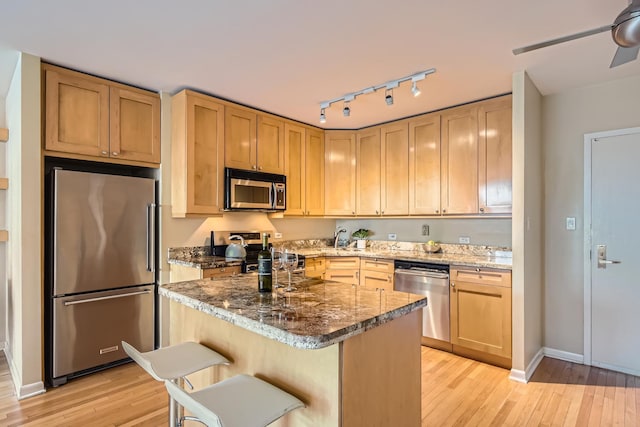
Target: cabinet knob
382,212
254,167
353,212
444,211
481,209
115,153
437,211
376,212
453,285
259,168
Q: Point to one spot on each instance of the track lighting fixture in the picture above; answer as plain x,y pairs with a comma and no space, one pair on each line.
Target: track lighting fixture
388,98
388,86
415,90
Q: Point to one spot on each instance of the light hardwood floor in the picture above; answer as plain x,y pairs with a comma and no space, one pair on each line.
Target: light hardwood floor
455,391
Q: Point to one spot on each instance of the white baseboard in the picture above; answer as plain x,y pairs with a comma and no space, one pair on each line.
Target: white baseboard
22,391
564,355
3,345
524,376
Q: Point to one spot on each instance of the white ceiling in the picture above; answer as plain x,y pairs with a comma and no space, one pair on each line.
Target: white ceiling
287,56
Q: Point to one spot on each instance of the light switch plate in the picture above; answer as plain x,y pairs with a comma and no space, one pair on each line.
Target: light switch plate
571,223
392,236
465,240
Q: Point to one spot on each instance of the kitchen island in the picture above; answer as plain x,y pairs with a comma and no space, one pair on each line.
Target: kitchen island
351,354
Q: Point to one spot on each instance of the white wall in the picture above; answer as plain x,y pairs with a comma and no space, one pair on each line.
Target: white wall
528,226
483,231
567,117
3,226
24,222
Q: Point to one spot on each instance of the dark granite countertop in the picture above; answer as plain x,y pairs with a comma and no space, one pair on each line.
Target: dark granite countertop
318,314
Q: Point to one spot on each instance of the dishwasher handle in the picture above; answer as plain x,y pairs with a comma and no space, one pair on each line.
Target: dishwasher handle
422,272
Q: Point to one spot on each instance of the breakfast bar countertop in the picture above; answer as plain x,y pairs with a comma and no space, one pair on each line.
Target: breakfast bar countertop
318,314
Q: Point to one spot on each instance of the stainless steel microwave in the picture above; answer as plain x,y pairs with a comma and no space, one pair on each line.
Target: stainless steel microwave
249,190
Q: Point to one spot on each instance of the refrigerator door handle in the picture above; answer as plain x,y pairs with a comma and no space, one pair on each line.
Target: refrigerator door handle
151,240
130,294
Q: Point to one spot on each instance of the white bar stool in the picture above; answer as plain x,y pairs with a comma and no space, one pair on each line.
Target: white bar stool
239,401
173,363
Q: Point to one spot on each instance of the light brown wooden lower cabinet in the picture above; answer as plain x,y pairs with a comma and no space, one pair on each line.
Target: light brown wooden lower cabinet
480,301
371,379
343,269
315,267
376,273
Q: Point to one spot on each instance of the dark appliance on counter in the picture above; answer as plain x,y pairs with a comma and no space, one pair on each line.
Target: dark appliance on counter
100,270
253,242
432,281
254,191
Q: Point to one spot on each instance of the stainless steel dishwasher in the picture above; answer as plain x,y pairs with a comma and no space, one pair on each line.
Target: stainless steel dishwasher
432,281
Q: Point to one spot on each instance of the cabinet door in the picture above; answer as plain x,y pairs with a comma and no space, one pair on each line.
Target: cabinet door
376,280
424,165
76,114
135,125
373,264
395,169
459,183
350,277
270,145
240,139
340,173
197,147
481,317
294,154
368,172
314,171
314,267
495,143
343,263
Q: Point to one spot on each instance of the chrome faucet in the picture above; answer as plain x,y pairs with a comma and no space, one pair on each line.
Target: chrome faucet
336,235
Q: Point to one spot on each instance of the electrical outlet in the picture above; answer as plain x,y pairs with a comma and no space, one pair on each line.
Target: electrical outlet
277,235
392,236
571,223
465,240
425,230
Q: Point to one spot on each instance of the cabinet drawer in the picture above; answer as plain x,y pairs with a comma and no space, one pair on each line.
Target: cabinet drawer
343,263
314,266
350,277
376,280
221,271
484,276
374,264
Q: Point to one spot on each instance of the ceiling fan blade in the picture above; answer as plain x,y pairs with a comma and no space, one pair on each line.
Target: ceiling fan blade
624,55
562,39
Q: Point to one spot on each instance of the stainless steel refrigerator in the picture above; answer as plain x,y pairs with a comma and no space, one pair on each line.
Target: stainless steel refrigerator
100,276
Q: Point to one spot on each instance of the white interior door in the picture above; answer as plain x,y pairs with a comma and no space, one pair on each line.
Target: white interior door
614,262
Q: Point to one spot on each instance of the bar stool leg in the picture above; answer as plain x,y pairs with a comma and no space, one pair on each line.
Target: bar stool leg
175,410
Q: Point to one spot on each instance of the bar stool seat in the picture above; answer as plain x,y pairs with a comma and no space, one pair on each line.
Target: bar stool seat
239,401
173,363
176,361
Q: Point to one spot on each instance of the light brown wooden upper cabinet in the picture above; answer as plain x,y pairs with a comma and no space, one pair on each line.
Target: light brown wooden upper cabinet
424,165
86,116
314,169
494,163
197,151
394,193
304,168
368,172
459,168
340,173
253,141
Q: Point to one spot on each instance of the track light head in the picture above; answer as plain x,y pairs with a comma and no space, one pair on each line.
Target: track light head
415,90
323,117
346,111
389,96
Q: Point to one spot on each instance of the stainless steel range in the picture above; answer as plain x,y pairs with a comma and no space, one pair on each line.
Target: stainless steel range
253,242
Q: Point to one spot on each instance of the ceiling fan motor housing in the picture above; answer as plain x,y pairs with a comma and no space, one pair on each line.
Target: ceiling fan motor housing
626,27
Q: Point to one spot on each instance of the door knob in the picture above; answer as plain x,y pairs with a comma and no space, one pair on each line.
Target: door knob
602,257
